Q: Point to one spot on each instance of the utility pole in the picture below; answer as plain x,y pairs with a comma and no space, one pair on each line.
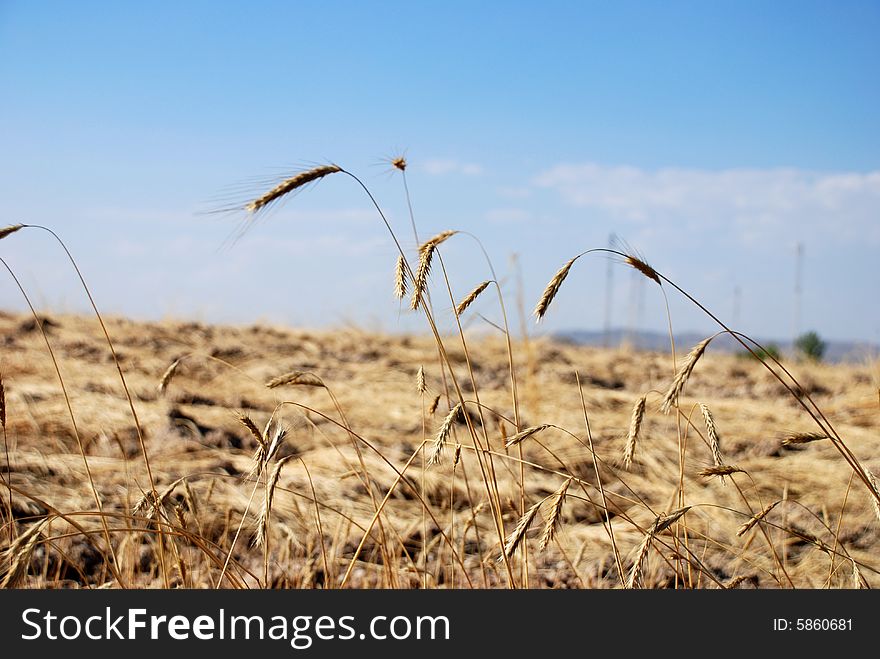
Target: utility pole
609,293
798,290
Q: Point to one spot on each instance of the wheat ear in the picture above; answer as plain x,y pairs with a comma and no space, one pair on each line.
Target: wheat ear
469,299
443,434
289,185
426,257
555,517
552,289
632,437
755,519
525,434
670,399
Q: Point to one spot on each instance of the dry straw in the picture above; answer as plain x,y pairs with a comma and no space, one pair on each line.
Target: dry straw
632,437
426,257
8,231
400,278
755,519
298,378
443,434
2,403
670,399
552,289
469,299
289,185
555,517
525,434
712,432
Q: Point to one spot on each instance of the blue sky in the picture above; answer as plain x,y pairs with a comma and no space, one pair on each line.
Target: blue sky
712,137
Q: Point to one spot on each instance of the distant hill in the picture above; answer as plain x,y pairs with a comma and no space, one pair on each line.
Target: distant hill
837,351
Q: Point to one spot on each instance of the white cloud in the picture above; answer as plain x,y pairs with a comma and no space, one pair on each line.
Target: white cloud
440,167
747,204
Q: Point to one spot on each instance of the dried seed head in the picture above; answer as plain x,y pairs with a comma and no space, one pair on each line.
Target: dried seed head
421,385
399,163
291,184
299,378
755,519
167,376
456,457
515,538
670,400
643,267
555,517
525,434
469,299
632,437
875,502
8,231
552,289
803,438
16,558
263,520
661,523
443,434
721,470
712,432
434,403
248,423
426,257
400,278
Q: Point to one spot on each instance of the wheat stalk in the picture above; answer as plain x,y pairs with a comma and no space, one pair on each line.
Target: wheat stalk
552,289
2,403
15,559
443,434
712,432
515,538
670,399
426,257
555,517
469,299
299,378
755,519
289,185
8,231
632,437
524,434
661,523
263,520
874,502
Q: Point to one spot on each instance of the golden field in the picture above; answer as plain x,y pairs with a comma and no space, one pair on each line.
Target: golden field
359,435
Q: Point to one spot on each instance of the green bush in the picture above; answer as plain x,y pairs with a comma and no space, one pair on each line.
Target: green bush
811,346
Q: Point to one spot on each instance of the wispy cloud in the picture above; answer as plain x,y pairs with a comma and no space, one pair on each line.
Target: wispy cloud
508,215
748,204
443,166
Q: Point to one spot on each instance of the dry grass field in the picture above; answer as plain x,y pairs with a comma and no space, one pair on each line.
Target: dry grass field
437,527
199,456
